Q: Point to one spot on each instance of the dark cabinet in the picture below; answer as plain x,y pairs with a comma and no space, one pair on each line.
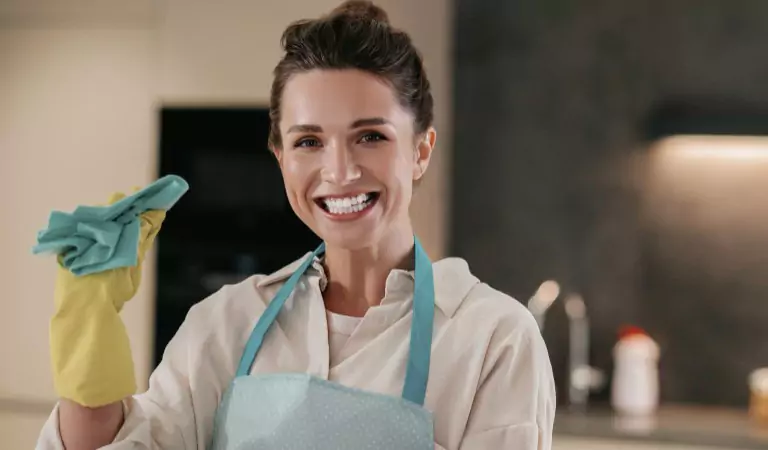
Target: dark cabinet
234,221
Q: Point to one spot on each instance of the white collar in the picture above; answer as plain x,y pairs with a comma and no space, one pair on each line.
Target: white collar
453,280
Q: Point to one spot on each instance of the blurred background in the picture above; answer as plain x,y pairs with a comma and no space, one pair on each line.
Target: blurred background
603,162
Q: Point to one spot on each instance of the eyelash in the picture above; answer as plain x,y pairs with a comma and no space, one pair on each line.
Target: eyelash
373,134
300,143
367,138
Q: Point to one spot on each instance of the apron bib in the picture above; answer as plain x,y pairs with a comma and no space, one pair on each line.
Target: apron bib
304,412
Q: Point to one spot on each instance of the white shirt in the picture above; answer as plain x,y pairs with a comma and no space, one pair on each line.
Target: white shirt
340,328
490,382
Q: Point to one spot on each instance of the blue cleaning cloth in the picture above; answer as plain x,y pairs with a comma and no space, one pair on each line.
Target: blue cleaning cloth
98,238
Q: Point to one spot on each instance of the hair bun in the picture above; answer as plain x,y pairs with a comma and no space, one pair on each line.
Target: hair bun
360,9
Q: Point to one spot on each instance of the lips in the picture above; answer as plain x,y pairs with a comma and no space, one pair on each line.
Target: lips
347,205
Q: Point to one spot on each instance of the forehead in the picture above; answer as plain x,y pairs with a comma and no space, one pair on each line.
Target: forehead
339,97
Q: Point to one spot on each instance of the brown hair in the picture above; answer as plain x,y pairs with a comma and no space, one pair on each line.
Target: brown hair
355,35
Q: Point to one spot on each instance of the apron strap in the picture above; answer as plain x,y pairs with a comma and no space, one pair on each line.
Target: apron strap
420,347
417,370
270,314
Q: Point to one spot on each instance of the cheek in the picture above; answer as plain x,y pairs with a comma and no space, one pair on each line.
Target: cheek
406,168
294,172
296,176
396,167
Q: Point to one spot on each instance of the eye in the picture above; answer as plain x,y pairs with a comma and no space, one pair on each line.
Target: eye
307,142
371,137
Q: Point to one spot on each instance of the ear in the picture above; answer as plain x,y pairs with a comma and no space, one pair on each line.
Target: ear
278,154
423,152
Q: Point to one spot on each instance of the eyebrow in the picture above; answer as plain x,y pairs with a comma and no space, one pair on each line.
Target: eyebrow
310,128
370,122
303,128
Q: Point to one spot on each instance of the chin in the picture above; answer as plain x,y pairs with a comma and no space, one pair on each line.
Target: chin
349,239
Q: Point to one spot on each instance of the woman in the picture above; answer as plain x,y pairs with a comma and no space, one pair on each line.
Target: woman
363,343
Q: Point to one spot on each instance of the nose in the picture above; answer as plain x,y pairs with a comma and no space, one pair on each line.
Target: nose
339,165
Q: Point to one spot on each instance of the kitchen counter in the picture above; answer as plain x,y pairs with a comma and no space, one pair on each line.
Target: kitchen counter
680,425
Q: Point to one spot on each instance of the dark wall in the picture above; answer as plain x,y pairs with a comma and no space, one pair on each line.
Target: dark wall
551,175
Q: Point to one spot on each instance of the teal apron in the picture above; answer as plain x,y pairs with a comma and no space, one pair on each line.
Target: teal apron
303,412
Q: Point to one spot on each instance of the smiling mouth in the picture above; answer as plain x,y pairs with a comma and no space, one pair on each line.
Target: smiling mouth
342,206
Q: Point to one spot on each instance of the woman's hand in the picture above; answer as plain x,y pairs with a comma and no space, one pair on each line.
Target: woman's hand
90,353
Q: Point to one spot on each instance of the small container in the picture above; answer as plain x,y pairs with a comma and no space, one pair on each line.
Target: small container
758,403
635,385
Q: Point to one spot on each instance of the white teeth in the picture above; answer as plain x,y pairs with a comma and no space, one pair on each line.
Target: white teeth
347,205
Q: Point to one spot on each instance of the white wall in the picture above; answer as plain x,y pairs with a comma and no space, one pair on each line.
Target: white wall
80,85
75,124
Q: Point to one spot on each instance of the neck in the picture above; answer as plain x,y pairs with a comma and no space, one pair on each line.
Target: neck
357,278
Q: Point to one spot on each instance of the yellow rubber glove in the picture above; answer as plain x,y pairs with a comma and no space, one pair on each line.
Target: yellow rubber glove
90,352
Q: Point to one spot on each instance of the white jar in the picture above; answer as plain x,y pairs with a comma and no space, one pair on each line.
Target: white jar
635,385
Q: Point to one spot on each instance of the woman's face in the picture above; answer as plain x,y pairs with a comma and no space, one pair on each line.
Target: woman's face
349,156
